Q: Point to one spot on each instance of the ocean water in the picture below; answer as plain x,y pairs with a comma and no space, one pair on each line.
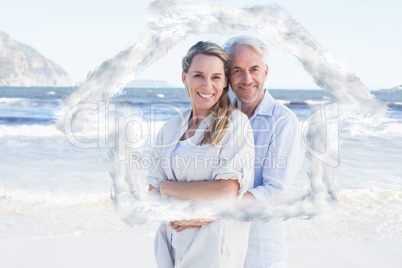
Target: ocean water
51,185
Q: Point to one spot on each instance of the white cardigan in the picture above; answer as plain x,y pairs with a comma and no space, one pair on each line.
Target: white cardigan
222,243
231,158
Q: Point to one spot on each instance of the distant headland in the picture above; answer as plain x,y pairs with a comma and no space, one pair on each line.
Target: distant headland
23,66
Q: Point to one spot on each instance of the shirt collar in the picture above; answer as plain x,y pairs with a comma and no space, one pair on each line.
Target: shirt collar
184,123
205,122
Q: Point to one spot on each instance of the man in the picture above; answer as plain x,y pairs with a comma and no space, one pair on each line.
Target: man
279,152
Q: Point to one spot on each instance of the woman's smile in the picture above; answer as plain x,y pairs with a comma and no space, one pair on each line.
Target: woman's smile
206,95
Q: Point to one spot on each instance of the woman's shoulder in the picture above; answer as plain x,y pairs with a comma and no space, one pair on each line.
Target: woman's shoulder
236,113
239,118
176,121
239,132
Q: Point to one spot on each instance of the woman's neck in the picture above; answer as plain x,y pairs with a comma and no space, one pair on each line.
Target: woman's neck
196,117
193,123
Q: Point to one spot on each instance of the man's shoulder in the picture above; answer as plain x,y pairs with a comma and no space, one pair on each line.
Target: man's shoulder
280,110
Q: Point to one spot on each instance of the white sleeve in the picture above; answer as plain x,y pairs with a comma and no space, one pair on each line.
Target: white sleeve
156,172
237,154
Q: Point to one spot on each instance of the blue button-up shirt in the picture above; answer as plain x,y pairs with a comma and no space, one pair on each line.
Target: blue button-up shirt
279,151
279,155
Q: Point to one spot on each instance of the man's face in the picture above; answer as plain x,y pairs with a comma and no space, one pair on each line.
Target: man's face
247,74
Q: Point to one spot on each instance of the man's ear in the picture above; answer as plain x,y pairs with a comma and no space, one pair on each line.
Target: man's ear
184,78
266,71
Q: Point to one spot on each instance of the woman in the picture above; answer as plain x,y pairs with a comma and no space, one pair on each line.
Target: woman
212,141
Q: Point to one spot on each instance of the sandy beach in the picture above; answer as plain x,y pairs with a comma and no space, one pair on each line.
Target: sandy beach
137,251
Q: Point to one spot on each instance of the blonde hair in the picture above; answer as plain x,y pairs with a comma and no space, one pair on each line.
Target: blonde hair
222,109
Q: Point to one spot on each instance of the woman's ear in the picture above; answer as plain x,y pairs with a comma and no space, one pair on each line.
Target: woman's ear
184,78
226,81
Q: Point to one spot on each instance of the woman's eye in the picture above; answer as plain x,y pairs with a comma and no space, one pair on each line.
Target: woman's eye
216,77
197,75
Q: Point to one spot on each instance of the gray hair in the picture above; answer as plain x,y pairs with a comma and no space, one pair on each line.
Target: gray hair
245,40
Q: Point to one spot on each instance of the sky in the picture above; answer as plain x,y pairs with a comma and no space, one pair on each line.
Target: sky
366,36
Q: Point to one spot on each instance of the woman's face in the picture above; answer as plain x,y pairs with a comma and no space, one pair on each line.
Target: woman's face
205,81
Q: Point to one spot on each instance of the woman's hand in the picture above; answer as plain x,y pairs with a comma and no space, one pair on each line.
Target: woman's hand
154,194
181,225
166,188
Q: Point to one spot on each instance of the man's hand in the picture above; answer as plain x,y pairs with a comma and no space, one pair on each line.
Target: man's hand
181,225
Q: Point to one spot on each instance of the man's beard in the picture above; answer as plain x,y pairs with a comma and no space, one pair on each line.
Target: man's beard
257,95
